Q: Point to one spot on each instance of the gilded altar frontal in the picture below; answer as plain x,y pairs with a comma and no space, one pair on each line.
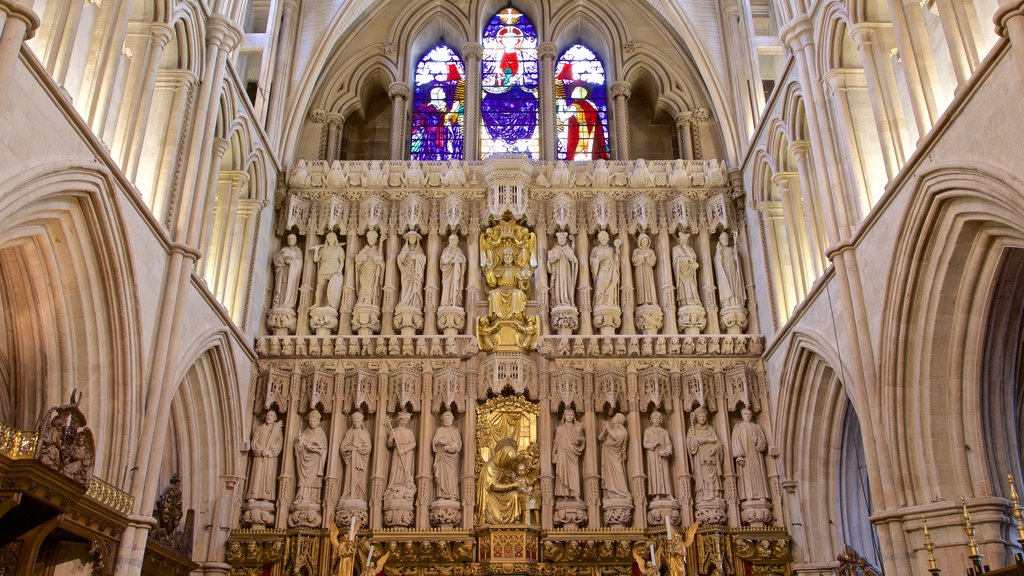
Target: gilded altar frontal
511,287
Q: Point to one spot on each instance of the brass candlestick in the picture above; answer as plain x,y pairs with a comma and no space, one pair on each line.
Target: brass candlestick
930,548
1018,514
972,545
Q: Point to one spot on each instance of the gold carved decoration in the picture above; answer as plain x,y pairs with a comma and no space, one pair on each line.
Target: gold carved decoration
110,496
18,444
508,461
508,257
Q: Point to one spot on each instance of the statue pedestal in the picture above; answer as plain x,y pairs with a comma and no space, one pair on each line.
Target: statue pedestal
508,549
346,510
565,319
757,513
570,514
305,515
445,514
618,512
734,319
712,511
451,320
607,319
692,319
282,321
661,508
366,319
324,320
398,512
498,335
259,514
408,320
649,318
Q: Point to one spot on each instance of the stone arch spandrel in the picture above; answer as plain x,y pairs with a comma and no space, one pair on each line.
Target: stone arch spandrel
61,231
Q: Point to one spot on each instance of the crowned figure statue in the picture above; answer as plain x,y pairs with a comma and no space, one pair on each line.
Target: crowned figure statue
508,256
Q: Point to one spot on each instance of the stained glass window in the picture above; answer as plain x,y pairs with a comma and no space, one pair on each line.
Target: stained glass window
581,97
439,103
510,108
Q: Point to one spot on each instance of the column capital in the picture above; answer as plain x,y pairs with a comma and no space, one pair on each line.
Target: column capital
547,50
798,33
799,149
14,9
622,89
160,34
683,118
335,118
1003,15
398,90
318,116
862,34
472,51
220,146
784,179
700,115
222,33
237,179
289,5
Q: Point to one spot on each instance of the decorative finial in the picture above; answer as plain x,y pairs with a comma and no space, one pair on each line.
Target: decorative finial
972,545
930,548
1018,514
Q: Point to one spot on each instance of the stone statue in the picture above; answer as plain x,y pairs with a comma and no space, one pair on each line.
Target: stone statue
330,259
731,291
644,260
508,253
715,174
569,443
706,457
748,447
560,177
267,443
679,176
447,446
414,177
412,264
299,177
453,270
604,269
370,270
659,448
355,453
287,270
564,267
455,175
336,177
602,176
497,489
641,176
614,440
684,264
310,457
402,441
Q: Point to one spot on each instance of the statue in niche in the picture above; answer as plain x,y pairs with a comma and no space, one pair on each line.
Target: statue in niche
564,267
684,263
355,453
659,448
748,447
641,176
706,457
731,291
412,263
453,270
604,271
402,441
447,446
498,498
370,270
569,443
644,260
266,445
614,440
310,457
511,280
330,259
287,270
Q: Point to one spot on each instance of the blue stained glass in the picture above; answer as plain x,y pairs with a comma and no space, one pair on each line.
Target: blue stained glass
439,97
510,107
581,97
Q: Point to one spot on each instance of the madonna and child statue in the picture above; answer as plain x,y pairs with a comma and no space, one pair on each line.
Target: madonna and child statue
506,487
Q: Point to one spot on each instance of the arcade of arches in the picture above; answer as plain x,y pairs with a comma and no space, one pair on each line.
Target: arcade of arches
580,287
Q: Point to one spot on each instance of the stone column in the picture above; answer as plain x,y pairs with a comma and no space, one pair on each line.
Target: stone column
210,226
399,94
318,116
181,84
237,182
668,288
591,489
738,49
583,293
919,40
283,65
424,475
432,284
547,475
348,296
620,92
335,125
394,242
627,294
138,116
638,480
1009,24
892,147
680,456
18,23
961,47
333,472
543,289
242,258
683,123
838,85
380,452
472,53
793,220
469,449
814,219
61,45
292,426
472,269
547,52
707,279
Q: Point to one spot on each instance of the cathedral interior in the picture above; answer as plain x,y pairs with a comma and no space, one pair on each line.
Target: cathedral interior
521,288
